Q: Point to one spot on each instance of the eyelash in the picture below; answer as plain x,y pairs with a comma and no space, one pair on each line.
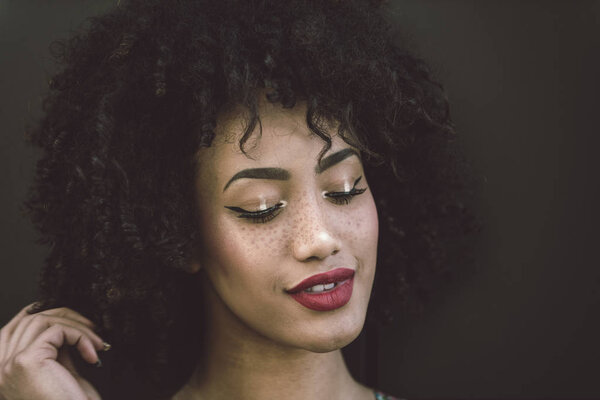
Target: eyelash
266,215
342,198
259,217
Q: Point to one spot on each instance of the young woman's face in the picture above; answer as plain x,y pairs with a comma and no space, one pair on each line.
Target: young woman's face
275,217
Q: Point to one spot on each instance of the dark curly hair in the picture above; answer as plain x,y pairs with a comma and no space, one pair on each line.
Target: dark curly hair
139,92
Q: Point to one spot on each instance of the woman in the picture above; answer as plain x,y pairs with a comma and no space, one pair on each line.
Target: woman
210,189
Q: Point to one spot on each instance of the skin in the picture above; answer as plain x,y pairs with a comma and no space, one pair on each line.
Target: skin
34,363
260,342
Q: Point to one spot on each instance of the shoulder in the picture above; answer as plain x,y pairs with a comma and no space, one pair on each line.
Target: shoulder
382,396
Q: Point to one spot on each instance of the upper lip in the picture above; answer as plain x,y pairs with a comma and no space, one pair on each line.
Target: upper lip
335,275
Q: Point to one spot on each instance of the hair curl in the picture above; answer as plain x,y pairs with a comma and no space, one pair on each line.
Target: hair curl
139,91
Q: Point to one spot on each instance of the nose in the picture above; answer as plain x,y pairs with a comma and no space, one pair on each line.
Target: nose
313,238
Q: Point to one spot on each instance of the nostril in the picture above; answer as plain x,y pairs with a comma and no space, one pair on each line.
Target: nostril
335,252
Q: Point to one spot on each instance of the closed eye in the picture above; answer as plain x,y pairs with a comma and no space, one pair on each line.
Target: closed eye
260,216
342,198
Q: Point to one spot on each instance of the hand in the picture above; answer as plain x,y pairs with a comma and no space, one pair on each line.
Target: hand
34,361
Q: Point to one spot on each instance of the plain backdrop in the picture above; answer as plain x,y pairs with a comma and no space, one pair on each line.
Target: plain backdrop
523,82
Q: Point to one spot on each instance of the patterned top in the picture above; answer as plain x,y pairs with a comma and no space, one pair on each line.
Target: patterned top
381,396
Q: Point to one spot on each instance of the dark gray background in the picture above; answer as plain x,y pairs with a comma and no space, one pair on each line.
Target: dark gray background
523,81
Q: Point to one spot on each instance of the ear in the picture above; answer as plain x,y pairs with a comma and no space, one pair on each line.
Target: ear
193,266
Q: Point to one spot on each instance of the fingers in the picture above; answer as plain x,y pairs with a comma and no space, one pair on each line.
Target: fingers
35,354
64,312
22,333
47,344
39,321
7,331
13,322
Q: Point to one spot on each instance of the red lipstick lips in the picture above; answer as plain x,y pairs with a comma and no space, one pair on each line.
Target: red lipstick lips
326,299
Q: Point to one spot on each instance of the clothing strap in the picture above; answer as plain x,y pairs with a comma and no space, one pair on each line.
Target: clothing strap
383,396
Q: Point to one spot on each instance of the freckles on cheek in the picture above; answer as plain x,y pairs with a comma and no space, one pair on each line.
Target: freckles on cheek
262,238
361,226
244,245
284,237
272,239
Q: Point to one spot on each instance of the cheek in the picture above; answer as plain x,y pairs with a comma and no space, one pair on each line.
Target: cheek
371,224
238,251
360,228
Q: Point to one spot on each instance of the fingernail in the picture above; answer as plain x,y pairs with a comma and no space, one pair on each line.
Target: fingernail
106,346
98,363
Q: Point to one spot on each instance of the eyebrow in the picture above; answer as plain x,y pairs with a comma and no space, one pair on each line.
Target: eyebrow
281,174
335,158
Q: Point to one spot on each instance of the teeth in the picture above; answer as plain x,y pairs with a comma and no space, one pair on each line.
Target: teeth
317,288
320,288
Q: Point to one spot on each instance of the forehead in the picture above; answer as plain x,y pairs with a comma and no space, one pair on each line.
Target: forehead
281,139
274,122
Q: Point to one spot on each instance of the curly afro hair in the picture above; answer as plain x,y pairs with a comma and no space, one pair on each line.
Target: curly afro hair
138,93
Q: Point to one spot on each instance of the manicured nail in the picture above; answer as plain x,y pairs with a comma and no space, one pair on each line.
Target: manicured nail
106,346
98,363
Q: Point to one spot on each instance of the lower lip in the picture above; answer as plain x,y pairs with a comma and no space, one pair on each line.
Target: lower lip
326,301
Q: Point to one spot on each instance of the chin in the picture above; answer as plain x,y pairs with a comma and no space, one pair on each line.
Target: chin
328,339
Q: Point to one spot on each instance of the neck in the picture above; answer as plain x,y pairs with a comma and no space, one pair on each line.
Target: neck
239,362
